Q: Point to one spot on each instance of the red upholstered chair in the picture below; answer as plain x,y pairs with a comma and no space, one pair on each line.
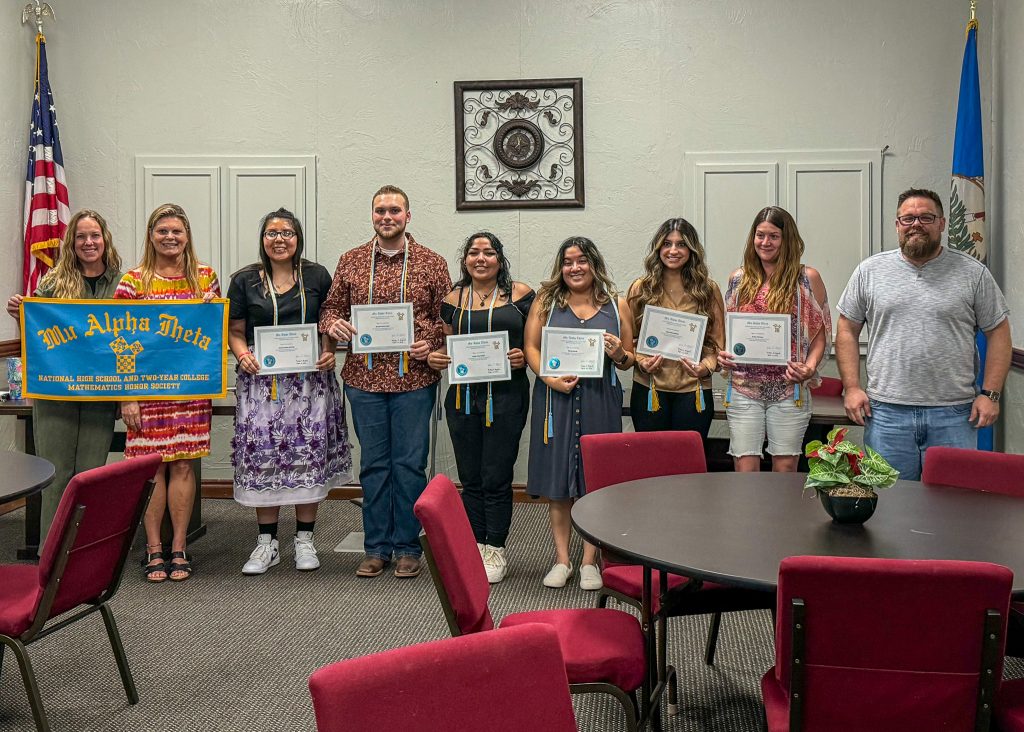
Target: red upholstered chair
603,649
506,681
81,564
982,470
829,386
886,645
620,457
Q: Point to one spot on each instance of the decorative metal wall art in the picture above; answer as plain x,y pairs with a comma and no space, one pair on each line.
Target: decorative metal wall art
519,144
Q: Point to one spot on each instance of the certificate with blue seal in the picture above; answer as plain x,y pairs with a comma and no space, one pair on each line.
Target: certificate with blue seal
479,357
672,334
758,338
572,352
286,349
386,328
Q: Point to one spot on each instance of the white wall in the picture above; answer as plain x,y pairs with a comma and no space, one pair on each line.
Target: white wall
367,86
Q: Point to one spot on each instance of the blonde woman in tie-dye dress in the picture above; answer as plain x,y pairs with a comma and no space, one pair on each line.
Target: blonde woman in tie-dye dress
178,430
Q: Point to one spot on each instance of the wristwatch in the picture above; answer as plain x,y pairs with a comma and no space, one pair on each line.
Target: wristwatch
993,395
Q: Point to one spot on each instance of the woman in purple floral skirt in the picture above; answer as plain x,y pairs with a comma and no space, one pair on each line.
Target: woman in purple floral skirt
291,442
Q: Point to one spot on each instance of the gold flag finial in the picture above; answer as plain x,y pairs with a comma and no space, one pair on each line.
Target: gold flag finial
973,23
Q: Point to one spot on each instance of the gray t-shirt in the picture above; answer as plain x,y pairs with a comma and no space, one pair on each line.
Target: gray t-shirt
921,324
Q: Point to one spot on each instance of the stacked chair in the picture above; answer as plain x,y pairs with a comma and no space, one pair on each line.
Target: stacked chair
81,564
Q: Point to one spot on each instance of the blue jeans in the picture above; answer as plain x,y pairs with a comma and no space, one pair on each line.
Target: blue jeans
393,429
901,434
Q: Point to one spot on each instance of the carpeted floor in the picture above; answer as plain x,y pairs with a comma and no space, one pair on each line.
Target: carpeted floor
232,653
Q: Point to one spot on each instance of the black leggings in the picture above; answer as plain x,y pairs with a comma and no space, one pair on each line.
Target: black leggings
678,411
485,457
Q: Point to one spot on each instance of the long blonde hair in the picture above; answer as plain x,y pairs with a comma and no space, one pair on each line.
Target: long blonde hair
555,293
697,281
65,280
148,265
784,280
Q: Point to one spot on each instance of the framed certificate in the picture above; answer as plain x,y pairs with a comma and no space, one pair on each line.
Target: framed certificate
672,334
479,357
572,352
384,328
758,338
286,349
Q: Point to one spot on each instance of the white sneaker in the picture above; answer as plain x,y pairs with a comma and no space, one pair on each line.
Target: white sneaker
495,563
263,557
305,552
481,548
590,577
558,575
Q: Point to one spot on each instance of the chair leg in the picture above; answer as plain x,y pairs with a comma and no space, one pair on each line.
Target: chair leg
602,599
28,676
122,659
709,648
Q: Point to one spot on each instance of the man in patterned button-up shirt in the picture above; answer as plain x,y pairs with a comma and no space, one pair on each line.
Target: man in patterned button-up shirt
391,409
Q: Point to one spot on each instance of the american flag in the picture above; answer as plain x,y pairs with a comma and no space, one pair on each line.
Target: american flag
46,192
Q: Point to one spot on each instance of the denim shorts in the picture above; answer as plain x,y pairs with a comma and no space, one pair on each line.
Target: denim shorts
785,422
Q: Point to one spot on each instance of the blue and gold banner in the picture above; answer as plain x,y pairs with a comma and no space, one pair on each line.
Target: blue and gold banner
124,349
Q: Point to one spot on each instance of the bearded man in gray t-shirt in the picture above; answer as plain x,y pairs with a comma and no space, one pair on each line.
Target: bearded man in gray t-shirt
923,305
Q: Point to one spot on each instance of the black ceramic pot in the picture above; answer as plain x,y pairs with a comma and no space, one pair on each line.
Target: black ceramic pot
848,509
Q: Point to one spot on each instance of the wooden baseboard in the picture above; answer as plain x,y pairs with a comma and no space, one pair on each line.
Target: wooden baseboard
1017,360
224,489
12,506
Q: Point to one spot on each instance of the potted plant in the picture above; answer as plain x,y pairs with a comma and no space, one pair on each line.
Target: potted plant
846,477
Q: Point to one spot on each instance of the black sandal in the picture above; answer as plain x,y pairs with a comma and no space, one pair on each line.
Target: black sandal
185,567
150,569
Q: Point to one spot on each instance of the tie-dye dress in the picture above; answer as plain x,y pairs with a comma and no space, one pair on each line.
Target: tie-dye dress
178,430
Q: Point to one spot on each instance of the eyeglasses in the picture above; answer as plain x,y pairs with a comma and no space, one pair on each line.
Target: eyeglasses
287,235
926,219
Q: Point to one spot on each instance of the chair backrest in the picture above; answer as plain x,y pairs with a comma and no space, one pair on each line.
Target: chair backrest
505,681
889,644
829,386
114,499
623,456
980,470
452,555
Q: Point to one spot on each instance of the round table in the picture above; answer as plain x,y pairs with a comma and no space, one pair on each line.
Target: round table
23,475
736,528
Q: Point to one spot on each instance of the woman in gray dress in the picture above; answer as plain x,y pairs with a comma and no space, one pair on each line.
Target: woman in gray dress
579,294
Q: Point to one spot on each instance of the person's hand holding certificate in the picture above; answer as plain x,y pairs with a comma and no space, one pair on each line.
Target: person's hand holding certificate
286,349
672,334
386,328
479,357
572,352
758,338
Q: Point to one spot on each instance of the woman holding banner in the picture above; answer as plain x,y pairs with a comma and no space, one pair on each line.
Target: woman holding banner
291,440
74,436
178,430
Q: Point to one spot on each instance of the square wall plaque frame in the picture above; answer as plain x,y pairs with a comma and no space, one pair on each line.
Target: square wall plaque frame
519,144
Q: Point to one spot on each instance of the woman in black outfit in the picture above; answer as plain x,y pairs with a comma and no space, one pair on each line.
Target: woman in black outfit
486,420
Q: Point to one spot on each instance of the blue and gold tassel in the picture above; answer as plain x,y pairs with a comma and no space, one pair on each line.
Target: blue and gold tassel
700,399
489,411
653,402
